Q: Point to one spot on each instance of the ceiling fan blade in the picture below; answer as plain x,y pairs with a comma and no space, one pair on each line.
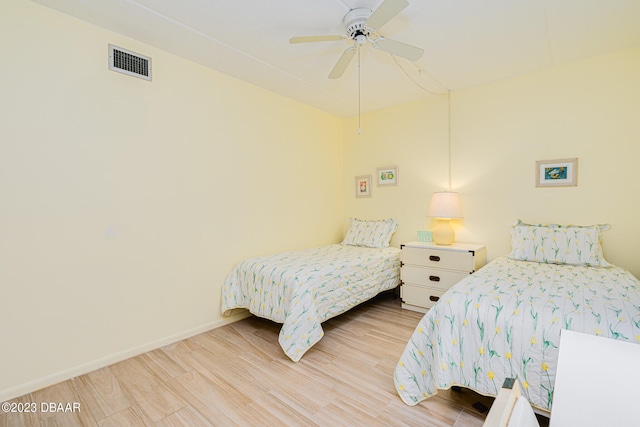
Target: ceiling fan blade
311,39
385,12
343,62
394,47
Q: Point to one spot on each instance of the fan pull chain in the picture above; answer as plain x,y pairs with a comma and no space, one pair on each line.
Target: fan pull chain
449,132
359,129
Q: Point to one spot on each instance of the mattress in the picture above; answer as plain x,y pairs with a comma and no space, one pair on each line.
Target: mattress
304,288
504,321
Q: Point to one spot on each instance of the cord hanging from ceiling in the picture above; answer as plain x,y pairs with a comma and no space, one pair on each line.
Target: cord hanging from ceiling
448,93
359,95
449,133
420,72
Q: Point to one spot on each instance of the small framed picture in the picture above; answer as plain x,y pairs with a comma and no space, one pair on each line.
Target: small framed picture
388,175
363,186
557,173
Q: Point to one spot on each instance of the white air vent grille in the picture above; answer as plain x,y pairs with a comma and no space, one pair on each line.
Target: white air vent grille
130,63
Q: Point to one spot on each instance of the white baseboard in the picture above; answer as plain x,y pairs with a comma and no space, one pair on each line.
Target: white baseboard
85,368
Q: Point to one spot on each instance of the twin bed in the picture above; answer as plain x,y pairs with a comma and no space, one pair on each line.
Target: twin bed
504,321
302,289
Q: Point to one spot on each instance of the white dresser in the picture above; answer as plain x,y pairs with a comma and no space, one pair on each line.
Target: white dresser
429,270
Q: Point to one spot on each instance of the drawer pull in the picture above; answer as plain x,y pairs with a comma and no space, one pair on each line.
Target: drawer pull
433,298
434,258
434,278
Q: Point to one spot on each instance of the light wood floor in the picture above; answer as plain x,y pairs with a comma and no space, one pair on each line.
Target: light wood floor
238,375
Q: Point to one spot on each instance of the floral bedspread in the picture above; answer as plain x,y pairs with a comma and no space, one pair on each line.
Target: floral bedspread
302,289
505,321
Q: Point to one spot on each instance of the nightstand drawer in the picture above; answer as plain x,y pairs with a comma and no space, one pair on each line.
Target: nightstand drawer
420,295
438,258
428,271
431,277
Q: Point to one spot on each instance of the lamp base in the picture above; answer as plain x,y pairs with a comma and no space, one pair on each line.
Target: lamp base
443,233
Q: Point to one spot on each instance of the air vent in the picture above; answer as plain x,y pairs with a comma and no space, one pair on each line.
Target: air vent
129,63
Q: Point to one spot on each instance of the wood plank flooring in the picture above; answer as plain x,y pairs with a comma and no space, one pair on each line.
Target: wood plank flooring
238,375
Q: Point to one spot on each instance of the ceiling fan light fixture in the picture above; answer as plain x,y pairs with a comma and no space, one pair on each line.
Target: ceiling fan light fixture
355,22
359,24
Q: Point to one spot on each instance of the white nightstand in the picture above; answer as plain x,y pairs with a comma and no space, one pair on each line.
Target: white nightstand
429,270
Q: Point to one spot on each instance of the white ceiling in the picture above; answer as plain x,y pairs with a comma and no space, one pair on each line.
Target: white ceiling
466,42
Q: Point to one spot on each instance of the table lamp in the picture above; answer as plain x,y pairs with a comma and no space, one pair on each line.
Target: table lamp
445,206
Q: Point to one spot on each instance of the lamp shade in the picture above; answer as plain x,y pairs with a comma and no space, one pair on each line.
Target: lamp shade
445,204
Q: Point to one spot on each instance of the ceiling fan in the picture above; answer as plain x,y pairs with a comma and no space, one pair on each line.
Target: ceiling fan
361,25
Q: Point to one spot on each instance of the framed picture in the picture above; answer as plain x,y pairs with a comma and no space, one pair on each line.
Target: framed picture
557,173
363,186
388,175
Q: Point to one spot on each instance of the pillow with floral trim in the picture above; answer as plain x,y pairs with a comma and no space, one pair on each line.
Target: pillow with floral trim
602,227
371,234
557,244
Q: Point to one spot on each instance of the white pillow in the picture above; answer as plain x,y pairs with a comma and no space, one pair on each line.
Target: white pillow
556,244
602,227
371,234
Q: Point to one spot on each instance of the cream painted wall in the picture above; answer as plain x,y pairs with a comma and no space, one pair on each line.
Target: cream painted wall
124,203
587,109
